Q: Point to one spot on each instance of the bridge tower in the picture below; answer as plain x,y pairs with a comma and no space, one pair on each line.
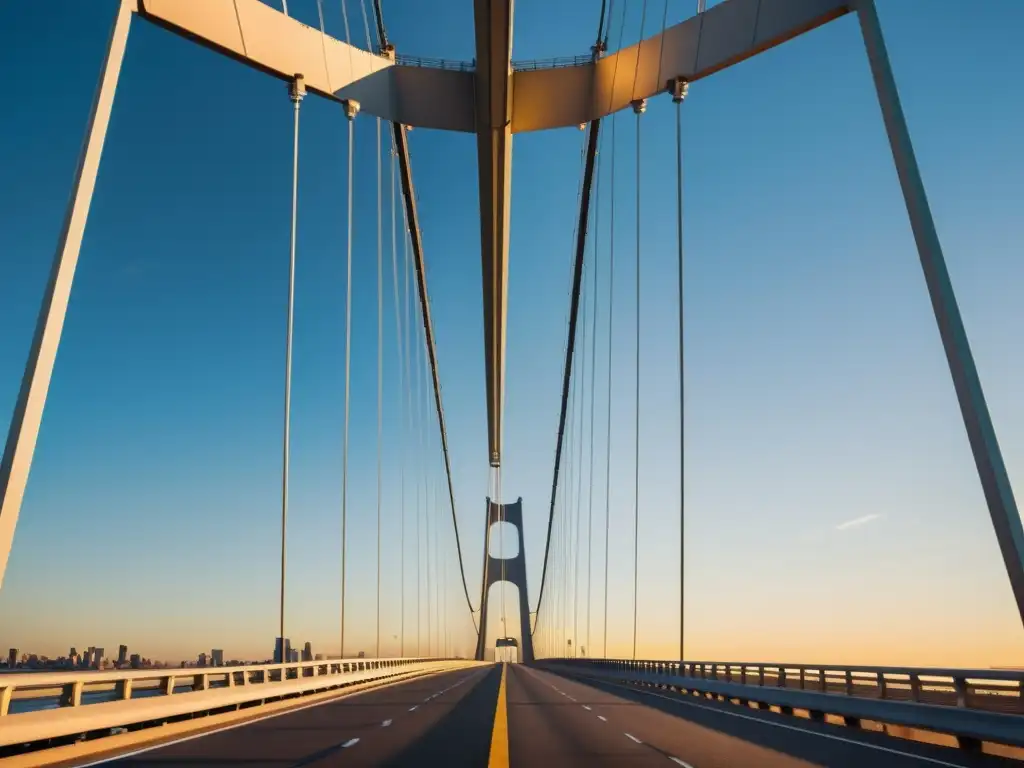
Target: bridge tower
515,573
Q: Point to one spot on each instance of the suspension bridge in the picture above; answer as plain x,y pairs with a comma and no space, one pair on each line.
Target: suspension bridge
442,700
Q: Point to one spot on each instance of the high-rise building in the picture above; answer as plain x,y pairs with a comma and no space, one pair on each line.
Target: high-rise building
217,657
307,652
136,661
97,659
12,658
122,655
202,660
280,656
73,653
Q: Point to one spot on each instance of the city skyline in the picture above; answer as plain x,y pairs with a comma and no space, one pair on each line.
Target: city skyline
833,510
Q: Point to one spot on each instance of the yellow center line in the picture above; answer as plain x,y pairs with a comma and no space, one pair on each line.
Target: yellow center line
499,734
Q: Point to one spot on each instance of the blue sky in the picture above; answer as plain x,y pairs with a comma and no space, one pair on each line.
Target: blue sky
817,391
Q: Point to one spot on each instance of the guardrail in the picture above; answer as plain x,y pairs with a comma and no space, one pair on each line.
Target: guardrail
78,702
434,63
558,62
971,704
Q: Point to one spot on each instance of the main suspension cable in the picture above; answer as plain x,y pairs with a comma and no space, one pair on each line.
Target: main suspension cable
295,92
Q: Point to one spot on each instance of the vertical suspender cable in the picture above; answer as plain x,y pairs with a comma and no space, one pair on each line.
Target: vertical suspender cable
380,364
608,426
638,108
401,396
593,396
351,110
579,473
419,510
295,92
678,94
424,452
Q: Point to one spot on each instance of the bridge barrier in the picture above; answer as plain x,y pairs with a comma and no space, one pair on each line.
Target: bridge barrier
90,701
972,704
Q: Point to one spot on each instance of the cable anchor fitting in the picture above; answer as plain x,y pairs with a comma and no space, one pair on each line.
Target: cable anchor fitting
680,87
639,106
351,108
297,89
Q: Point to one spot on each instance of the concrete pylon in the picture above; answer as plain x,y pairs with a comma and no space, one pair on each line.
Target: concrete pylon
515,573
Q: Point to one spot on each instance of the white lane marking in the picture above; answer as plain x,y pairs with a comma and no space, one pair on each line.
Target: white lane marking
677,761
602,718
634,738
784,726
586,708
342,694
350,743
385,724
570,698
414,707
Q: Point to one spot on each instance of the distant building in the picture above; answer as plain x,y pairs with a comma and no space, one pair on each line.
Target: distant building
281,656
12,658
202,660
307,652
136,661
97,659
319,657
122,655
217,657
362,654
73,653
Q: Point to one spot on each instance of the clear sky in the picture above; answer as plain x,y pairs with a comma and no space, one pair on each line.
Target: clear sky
817,392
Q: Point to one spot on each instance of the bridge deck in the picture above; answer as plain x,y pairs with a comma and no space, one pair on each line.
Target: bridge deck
447,719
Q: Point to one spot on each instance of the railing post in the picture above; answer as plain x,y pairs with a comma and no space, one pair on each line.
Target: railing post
823,680
5,699
882,690
915,687
167,685
760,675
124,689
71,695
849,683
960,685
199,682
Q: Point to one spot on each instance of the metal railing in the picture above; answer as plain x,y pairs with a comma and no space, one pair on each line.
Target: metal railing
40,706
555,63
983,704
435,63
470,66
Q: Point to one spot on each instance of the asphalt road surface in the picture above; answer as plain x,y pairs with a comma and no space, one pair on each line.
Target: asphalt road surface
535,719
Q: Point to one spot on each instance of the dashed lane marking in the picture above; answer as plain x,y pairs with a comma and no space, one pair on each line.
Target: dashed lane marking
634,738
350,743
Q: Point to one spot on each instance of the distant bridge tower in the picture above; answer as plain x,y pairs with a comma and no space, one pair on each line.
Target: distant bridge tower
515,573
